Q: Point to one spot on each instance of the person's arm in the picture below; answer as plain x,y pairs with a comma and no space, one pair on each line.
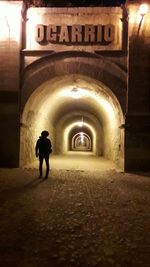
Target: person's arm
37,148
50,147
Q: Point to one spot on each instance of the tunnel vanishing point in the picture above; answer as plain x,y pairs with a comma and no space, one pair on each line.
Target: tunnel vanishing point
93,97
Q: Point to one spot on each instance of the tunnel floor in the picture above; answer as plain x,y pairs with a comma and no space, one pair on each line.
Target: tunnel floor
77,162
74,219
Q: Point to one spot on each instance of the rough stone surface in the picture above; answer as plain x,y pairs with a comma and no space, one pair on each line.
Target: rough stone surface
74,218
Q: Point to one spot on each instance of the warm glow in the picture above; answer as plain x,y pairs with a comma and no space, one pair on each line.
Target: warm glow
10,21
52,107
74,92
136,15
82,136
32,20
143,9
78,93
70,127
80,123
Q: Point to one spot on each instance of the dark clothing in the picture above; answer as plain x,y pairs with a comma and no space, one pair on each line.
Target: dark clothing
41,158
43,146
43,149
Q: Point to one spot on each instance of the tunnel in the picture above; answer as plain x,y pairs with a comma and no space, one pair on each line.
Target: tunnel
81,113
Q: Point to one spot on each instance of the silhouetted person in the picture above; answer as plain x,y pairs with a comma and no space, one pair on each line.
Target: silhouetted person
43,149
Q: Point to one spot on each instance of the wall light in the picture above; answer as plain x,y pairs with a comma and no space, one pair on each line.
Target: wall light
142,11
80,123
74,92
10,20
82,137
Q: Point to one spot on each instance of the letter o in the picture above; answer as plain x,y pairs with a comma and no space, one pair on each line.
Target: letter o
109,33
39,36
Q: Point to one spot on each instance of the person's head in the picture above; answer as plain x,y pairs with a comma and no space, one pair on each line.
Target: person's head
44,133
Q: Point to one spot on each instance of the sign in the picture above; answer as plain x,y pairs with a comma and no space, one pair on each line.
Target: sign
75,34
77,29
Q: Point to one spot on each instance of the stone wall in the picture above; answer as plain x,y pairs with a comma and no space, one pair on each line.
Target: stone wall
9,83
109,68
137,129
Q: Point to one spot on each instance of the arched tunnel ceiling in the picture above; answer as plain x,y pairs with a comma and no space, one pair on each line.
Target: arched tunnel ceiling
59,104
53,100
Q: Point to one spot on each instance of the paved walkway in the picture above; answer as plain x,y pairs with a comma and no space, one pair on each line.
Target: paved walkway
78,162
75,218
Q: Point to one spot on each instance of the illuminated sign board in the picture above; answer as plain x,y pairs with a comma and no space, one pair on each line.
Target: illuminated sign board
80,29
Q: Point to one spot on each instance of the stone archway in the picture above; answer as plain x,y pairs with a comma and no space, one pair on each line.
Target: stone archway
73,62
80,138
46,102
81,141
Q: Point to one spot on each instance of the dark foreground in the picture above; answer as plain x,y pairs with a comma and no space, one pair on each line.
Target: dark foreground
75,218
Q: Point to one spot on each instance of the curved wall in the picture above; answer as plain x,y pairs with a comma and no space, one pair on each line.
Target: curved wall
58,103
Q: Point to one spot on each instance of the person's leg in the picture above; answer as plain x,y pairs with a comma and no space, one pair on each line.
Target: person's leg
47,165
40,165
